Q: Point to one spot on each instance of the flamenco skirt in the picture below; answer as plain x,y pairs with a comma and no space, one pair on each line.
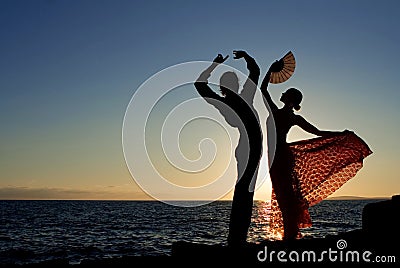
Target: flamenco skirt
317,168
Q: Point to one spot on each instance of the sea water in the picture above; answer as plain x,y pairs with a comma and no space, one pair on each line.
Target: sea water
35,231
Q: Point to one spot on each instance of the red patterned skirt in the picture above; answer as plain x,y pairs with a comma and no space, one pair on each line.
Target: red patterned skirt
315,168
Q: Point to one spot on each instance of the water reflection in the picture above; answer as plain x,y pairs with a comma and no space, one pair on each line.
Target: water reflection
329,217
259,229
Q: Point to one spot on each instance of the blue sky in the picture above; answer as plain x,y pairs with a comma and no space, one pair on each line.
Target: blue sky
70,68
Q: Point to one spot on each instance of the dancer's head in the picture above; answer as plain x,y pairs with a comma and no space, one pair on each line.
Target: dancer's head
229,81
292,97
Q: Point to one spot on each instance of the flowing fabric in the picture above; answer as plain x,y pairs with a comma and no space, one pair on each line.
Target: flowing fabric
320,167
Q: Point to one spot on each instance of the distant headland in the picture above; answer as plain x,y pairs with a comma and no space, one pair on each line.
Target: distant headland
350,197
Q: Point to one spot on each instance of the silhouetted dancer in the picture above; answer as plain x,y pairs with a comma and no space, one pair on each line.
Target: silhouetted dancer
305,172
238,111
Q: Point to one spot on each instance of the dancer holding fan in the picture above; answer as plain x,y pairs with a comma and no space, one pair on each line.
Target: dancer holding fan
305,172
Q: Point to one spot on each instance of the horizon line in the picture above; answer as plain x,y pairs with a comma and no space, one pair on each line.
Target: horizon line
347,197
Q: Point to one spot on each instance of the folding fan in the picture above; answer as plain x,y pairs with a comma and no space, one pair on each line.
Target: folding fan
288,64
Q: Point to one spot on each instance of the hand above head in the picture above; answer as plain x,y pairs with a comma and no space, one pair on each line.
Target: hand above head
220,58
239,54
277,66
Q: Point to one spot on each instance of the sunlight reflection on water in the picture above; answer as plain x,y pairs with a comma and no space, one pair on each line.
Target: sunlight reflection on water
329,217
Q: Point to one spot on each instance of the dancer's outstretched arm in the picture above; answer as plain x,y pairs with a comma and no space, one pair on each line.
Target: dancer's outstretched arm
307,126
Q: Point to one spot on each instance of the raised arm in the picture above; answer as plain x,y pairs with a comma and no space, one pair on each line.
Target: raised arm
201,83
250,86
306,126
264,85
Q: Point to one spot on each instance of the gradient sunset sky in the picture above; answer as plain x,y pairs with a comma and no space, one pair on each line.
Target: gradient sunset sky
70,68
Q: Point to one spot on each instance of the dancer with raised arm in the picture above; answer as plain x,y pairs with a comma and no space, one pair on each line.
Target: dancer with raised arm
238,111
305,172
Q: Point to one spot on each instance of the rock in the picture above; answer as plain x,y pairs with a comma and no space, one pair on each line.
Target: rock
381,219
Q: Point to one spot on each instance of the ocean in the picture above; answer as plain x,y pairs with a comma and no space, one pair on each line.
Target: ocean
36,231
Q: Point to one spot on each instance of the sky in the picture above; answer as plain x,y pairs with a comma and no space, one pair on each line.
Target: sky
70,69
